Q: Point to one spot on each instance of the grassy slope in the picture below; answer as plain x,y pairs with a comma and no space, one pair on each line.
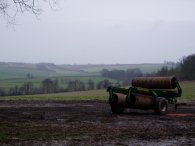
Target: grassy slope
14,74
188,94
79,95
188,88
145,68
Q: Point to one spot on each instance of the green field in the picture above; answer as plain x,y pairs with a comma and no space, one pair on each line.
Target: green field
188,88
78,95
15,74
92,68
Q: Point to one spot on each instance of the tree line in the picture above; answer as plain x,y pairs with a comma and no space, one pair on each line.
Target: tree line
52,86
122,75
183,70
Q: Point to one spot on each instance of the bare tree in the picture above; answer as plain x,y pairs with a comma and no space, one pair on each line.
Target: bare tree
10,8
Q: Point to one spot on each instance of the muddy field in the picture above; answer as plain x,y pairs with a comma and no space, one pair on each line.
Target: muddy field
92,123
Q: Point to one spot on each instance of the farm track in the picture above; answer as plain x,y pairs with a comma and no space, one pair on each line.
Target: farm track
92,123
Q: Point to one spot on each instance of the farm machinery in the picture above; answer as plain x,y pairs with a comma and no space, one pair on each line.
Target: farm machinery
146,93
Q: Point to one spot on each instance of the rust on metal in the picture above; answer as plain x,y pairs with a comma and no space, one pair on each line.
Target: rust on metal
143,101
155,82
120,99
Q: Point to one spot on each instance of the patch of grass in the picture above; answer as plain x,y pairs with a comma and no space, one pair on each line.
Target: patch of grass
14,72
188,90
145,68
11,83
79,95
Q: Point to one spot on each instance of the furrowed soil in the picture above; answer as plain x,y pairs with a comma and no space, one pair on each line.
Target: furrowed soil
92,123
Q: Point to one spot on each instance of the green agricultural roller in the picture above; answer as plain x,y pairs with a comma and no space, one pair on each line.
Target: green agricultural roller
146,93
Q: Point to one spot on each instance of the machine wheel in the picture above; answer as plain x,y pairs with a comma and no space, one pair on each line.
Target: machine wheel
161,106
117,110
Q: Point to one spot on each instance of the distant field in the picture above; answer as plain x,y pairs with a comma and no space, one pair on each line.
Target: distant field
19,70
187,86
15,74
12,73
145,68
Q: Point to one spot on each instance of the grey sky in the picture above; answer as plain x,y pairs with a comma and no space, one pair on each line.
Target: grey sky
103,31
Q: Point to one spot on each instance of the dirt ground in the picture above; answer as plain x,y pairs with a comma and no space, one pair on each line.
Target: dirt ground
92,123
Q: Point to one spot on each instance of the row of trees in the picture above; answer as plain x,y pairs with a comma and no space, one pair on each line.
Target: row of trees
122,75
184,70
52,86
47,86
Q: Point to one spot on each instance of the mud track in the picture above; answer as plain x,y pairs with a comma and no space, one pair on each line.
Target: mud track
92,123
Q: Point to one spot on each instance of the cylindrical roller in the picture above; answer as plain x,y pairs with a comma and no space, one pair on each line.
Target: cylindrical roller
118,99
143,101
155,82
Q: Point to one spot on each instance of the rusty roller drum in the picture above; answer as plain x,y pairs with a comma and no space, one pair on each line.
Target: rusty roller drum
118,99
155,82
141,101
118,102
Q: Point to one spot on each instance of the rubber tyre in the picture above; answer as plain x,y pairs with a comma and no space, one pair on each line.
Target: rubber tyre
161,106
117,110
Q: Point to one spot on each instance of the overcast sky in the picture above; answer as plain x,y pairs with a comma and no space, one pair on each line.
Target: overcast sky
102,32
